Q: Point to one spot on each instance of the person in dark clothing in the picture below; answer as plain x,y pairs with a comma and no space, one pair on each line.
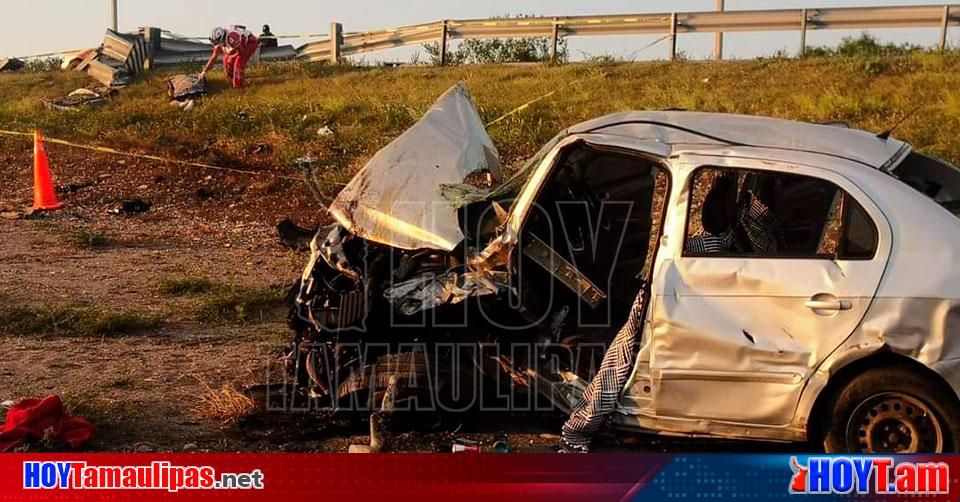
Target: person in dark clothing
267,39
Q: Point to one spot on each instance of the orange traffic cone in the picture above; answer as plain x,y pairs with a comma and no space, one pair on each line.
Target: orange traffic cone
44,195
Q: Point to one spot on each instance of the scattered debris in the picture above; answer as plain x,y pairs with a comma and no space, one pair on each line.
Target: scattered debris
75,100
75,60
305,163
10,64
464,445
204,193
73,187
184,90
46,419
184,87
294,236
380,423
13,213
261,148
133,206
119,58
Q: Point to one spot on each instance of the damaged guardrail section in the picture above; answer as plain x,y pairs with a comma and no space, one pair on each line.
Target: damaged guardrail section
123,55
665,23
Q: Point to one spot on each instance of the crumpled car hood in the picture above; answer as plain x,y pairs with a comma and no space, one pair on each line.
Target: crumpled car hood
396,198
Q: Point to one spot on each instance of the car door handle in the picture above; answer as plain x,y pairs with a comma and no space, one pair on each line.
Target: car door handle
829,305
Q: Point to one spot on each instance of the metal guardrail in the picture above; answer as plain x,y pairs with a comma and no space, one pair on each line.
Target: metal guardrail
331,47
671,24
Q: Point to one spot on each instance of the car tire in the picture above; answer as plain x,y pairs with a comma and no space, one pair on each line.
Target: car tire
366,386
895,409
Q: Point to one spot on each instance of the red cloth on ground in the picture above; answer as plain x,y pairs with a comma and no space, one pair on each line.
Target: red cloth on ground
235,61
32,418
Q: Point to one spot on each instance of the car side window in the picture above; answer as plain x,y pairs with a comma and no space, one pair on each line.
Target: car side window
742,212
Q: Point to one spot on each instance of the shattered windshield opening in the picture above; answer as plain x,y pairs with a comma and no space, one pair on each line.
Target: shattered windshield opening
932,177
519,178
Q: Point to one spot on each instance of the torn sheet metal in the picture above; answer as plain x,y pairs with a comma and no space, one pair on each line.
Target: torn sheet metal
431,290
185,87
396,198
78,60
77,99
564,271
678,127
10,64
330,248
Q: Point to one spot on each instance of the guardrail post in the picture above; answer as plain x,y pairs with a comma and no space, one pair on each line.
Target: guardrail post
944,23
673,36
336,38
113,15
718,37
803,32
152,38
443,43
556,40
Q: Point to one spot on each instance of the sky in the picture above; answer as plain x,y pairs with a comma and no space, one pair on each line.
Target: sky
41,26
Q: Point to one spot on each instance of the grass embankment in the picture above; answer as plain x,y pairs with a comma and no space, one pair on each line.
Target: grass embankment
73,321
227,303
277,119
215,304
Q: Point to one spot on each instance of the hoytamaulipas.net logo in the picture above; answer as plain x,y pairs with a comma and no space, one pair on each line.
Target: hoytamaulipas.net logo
873,475
71,475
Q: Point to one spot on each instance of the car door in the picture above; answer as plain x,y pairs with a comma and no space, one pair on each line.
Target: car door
736,334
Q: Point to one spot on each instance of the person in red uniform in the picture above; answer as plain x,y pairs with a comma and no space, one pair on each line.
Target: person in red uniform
239,44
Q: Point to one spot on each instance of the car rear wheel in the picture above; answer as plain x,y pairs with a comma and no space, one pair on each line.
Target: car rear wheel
892,410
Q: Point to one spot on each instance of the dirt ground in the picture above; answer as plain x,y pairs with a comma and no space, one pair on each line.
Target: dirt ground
143,390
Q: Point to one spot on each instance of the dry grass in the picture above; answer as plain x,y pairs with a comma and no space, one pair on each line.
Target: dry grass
73,321
226,404
182,286
276,119
89,239
235,304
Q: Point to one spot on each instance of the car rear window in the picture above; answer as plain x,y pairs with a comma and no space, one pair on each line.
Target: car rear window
932,177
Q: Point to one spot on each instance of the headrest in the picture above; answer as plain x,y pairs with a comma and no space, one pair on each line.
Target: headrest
719,212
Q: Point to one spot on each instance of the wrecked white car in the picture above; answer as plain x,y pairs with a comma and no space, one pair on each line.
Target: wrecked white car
841,325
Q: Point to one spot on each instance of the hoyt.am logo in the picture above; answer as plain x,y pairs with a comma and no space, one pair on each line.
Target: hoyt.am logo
877,475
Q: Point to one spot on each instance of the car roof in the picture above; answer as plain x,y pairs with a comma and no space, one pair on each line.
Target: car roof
685,128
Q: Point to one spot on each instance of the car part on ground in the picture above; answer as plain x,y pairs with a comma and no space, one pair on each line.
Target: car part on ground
184,88
10,64
79,98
